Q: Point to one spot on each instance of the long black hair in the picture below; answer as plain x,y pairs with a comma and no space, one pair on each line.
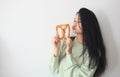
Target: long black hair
92,38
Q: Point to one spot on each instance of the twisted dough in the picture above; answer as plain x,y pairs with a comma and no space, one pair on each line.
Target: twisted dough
63,27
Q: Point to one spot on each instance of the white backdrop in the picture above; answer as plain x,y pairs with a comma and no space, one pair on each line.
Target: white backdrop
27,27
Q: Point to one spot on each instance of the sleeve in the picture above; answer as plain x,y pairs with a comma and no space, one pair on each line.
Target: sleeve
73,69
54,61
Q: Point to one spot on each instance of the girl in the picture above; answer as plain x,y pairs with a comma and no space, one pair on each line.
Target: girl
83,55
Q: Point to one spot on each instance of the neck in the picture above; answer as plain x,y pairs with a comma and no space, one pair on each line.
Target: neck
79,38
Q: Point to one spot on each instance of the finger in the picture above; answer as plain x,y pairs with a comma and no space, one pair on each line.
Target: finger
55,38
57,41
68,39
53,41
67,42
56,35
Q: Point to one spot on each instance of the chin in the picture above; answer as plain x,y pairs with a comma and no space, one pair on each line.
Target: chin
74,32
77,32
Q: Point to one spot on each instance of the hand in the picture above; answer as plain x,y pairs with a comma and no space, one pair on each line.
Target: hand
69,46
56,44
56,41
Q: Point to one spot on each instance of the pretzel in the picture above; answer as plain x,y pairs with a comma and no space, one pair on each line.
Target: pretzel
63,27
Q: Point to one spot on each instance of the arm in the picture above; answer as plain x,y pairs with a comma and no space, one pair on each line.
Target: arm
55,60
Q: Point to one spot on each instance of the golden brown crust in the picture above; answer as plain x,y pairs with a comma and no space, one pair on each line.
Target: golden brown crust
63,27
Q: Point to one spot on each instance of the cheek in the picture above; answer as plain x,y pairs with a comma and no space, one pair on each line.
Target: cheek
79,28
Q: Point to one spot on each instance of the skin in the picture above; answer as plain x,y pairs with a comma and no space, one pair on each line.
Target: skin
77,29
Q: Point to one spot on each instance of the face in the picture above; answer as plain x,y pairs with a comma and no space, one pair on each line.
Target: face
77,27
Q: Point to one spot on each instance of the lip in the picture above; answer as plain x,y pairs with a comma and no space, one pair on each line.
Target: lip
73,27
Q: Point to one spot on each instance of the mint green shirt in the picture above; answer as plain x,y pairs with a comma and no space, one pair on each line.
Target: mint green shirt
71,65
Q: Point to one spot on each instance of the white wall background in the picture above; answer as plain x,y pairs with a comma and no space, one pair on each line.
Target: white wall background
27,27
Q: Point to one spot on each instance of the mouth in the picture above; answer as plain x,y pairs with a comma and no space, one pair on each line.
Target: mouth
73,27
